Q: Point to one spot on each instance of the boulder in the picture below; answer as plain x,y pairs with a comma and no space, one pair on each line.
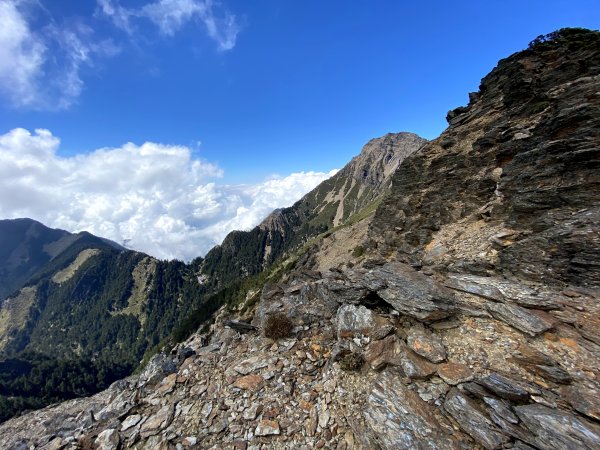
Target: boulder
400,419
108,440
473,420
410,292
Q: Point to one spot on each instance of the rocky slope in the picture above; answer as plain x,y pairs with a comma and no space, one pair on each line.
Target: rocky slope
468,320
88,304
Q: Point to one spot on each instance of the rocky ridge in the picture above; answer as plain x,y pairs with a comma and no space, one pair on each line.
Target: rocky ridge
357,186
470,321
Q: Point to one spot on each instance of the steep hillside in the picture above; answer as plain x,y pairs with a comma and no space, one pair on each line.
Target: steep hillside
361,182
25,247
518,168
467,320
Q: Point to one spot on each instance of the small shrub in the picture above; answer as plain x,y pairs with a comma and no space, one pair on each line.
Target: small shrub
358,251
278,326
352,362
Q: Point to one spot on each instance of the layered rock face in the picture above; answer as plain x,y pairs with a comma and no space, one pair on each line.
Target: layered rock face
470,320
523,157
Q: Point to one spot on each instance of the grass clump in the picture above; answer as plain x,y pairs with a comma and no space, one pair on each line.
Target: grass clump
352,362
278,326
358,251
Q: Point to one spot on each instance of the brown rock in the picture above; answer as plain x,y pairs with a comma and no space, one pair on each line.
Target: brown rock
249,382
239,444
454,373
167,384
415,366
584,400
425,343
312,421
108,440
400,419
473,421
158,421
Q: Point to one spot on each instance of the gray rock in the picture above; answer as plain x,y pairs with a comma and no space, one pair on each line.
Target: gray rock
473,284
241,327
399,418
502,290
473,420
118,407
353,320
159,366
108,440
410,292
584,400
251,364
501,408
382,332
267,428
525,320
341,291
556,429
130,421
504,387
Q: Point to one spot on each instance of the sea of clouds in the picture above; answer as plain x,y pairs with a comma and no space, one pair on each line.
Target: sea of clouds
154,198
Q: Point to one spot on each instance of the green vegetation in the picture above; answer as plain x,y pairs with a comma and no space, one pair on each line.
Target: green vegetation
108,317
358,251
34,380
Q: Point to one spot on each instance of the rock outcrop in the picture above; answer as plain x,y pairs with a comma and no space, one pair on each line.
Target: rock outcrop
469,321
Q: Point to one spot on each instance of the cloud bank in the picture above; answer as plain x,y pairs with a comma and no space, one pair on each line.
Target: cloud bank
152,197
41,65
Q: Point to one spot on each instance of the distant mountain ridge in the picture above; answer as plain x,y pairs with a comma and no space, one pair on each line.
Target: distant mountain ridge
364,180
27,245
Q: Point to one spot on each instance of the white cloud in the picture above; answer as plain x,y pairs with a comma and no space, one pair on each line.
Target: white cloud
171,15
121,17
22,55
40,69
156,198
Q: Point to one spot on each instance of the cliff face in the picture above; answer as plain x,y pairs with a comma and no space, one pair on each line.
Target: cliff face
467,318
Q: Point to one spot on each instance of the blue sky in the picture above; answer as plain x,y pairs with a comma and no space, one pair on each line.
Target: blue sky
257,90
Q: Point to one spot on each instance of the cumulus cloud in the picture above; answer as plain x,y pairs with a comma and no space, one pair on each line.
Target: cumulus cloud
40,69
152,197
171,15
